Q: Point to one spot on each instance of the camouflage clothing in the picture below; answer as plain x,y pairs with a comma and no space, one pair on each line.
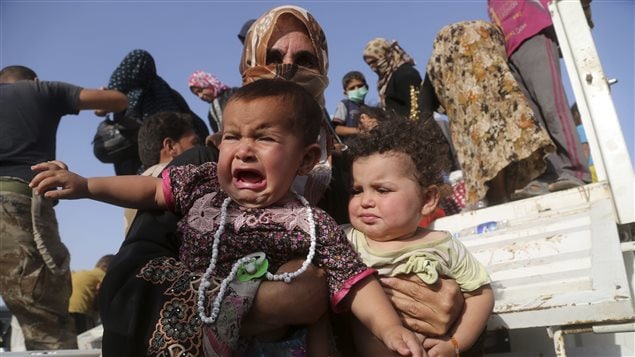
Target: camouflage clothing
35,289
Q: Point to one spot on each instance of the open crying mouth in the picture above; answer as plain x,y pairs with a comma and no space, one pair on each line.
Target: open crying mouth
248,176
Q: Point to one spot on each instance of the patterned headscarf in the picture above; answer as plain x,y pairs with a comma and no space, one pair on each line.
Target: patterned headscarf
136,77
206,80
389,56
253,64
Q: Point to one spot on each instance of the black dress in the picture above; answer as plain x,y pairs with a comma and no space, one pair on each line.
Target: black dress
397,95
129,305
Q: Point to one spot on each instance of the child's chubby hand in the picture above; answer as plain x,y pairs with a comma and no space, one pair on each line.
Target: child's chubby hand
403,341
55,174
439,347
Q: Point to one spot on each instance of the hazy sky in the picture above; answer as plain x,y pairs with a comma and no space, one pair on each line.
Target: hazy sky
81,42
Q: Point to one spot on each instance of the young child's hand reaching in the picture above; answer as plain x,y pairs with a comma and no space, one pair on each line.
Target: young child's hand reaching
54,174
403,341
440,347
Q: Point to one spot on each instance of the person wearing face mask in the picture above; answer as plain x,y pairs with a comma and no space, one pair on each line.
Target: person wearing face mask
398,80
346,118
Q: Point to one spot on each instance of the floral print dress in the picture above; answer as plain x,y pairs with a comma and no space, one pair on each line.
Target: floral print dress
492,125
281,232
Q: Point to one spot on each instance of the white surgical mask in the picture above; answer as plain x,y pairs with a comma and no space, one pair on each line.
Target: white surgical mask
357,95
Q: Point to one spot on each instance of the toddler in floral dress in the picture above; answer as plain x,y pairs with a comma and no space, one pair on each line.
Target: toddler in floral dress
241,205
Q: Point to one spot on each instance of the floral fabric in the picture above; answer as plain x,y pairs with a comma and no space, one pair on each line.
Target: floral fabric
281,231
136,76
492,126
179,330
203,79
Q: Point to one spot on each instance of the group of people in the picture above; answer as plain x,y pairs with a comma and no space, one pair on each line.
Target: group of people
224,253
499,85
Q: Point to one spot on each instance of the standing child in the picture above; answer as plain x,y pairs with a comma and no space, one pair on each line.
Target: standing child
243,205
346,117
83,303
396,173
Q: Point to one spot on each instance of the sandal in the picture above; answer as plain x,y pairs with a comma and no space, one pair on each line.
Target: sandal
564,183
533,189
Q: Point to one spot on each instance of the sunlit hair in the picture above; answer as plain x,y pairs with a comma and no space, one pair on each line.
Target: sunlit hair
16,73
422,142
156,128
307,113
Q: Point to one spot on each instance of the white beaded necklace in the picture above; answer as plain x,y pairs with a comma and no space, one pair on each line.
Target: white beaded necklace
286,277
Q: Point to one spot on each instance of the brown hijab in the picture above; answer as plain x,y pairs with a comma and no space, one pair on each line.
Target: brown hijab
253,66
253,63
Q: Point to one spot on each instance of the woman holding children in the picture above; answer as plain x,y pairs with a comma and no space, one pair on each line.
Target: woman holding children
293,48
287,42
244,205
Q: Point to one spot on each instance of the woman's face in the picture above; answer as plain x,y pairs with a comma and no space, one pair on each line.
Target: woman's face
206,94
290,44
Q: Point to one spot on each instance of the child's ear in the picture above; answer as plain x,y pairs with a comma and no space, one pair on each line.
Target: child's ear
430,200
168,145
311,157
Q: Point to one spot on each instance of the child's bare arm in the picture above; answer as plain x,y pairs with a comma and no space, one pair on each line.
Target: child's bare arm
469,326
371,306
140,192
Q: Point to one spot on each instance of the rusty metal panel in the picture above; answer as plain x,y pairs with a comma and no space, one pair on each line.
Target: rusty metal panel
554,260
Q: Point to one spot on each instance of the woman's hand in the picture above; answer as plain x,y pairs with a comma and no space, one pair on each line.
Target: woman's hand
429,310
276,304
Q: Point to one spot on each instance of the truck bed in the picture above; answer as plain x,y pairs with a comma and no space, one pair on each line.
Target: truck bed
554,260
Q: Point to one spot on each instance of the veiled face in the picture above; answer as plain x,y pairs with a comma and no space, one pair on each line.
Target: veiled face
371,62
290,44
